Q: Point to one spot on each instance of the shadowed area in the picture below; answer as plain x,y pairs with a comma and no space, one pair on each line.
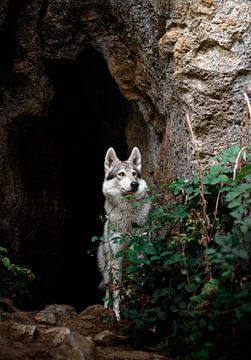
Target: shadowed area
62,165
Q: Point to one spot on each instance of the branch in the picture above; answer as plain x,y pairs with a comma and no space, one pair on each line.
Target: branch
202,192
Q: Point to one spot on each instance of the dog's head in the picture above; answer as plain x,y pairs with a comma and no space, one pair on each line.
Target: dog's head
123,176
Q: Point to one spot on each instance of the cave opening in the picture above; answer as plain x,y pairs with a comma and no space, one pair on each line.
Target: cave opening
63,161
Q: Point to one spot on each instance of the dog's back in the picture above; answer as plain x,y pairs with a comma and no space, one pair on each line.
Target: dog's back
122,186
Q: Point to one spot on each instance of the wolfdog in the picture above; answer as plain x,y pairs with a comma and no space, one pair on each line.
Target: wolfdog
121,178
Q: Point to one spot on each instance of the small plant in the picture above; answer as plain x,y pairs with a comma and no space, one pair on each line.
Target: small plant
15,279
189,295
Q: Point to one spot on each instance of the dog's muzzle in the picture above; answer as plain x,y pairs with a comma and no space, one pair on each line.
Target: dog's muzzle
134,186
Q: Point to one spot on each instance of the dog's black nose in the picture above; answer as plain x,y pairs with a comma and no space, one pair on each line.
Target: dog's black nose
134,185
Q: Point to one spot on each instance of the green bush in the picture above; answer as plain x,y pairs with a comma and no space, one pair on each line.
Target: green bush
15,280
190,291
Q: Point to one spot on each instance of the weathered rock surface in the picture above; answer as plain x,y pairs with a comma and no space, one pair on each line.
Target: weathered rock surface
166,56
58,332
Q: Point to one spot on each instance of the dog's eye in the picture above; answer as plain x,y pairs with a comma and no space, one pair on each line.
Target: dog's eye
134,173
121,174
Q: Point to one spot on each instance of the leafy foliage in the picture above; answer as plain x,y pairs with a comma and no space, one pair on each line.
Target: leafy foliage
189,296
15,280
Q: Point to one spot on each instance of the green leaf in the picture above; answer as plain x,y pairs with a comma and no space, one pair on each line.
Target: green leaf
220,179
225,188
243,188
155,257
174,308
6,262
161,315
176,258
191,287
3,249
119,254
244,229
211,251
246,307
235,203
166,253
214,169
159,293
232,195
226,274
243,254
248,177
231,152
184,271
96,238
149,249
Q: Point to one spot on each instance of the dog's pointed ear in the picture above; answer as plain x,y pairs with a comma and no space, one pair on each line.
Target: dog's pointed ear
135,158
110,158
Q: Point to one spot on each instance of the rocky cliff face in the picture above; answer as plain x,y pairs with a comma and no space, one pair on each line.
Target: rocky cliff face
165,57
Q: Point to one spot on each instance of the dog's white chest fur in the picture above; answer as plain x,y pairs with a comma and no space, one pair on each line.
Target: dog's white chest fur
125,203
122,212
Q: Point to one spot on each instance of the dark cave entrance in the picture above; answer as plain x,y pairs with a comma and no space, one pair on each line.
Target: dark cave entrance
87,115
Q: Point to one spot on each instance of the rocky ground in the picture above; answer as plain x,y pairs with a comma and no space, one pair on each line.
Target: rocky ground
58,332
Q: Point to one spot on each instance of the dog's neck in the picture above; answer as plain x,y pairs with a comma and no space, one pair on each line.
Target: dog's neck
123,211
123,203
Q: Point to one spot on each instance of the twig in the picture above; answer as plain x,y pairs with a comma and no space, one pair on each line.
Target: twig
185,262
248,103
215,220
202,192
247,117
237,161
242,133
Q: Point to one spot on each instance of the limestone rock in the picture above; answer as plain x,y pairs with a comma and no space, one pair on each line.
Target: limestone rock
109,338
70,345
20,330
135,355
56,314
27,337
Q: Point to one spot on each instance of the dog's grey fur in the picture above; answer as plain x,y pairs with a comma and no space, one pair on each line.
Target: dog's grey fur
121,178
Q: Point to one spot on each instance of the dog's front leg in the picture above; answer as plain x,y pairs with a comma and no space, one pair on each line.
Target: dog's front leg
105,263
117,277
117,281
107,281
